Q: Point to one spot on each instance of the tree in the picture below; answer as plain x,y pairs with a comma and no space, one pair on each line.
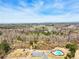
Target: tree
72,48
46,33
0,33
5,46
33,44
68,56
4,49
19,38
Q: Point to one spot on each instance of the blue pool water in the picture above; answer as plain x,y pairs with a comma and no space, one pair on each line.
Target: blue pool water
58,53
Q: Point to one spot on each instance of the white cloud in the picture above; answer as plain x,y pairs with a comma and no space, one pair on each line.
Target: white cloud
58,5
11,16
27,15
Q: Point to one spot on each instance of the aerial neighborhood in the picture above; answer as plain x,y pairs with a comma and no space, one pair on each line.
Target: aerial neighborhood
39,41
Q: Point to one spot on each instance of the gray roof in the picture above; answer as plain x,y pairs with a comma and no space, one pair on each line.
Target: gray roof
37,54
40,54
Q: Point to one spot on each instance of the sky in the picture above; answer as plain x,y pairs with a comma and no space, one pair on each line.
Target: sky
38,11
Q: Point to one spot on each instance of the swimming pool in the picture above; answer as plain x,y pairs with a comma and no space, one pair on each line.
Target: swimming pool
58,53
